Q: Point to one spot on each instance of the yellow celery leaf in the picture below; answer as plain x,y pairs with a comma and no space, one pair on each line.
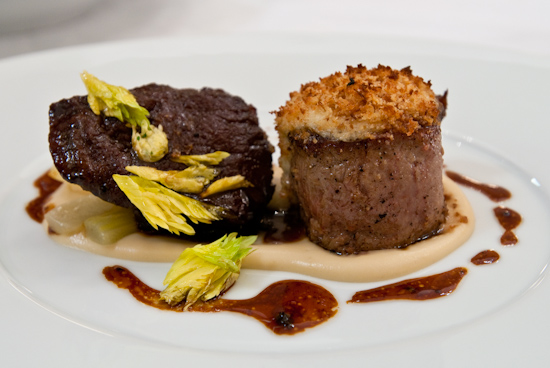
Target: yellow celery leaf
205,271
191,180
150,143
213,158
114,101
225,184
165,208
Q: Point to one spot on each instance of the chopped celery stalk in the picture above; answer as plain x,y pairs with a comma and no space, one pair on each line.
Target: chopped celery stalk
205,271
111,226
68,218
191,180
225,184
213,158
151,143
165,208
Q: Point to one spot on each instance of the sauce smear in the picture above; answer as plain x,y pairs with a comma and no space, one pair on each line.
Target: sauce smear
485,257
422,288
286,307
46,186
493,192
509,220
284,227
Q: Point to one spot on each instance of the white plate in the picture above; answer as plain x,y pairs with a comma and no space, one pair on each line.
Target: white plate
495,131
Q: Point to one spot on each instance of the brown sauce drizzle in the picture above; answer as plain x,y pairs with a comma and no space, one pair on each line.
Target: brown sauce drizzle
493,192
46,186
286,307
509,220
283,227
422,288
290,306
485,257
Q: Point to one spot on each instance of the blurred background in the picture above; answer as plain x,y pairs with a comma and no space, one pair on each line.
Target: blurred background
35,25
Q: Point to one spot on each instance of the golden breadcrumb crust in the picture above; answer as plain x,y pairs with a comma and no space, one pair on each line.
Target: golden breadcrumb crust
361,104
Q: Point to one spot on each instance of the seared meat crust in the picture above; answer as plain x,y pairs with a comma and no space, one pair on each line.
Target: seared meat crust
88,149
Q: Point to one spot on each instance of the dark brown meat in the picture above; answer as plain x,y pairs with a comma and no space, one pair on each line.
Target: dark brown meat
88,149
370,194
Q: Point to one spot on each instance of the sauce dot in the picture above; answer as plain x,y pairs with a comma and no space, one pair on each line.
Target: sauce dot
485,257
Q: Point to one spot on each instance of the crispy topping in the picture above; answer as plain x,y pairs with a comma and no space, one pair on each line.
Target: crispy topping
361,103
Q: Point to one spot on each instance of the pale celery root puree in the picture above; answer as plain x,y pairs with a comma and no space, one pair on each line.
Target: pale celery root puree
301,257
